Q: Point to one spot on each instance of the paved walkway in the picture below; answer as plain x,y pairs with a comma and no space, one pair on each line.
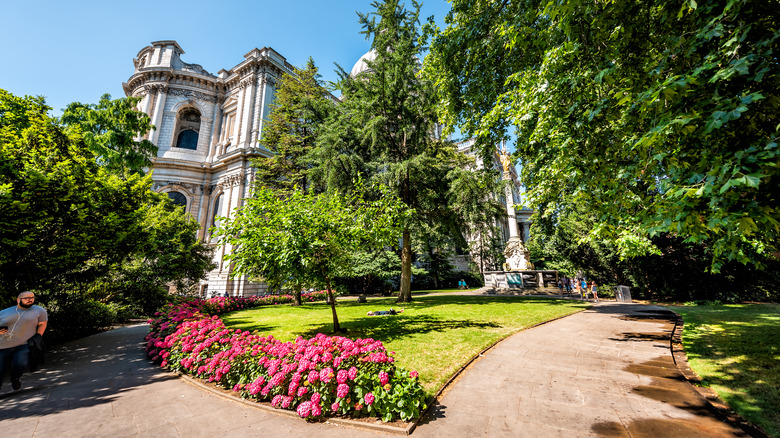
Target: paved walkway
603,372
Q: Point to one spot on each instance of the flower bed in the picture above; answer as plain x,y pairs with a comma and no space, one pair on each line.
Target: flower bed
317,377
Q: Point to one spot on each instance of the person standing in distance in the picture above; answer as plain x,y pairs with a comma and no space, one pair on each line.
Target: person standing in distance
17,325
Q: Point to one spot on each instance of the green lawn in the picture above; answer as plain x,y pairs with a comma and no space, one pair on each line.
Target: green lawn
736,351
435,335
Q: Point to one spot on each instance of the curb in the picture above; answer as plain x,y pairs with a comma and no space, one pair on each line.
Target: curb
721,409
292,414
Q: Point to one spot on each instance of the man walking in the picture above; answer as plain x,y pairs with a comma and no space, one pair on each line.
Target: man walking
17,325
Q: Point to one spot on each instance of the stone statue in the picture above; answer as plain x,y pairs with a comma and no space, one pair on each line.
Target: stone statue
517,256
506,160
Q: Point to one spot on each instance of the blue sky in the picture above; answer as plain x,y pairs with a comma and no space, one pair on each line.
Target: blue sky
71,51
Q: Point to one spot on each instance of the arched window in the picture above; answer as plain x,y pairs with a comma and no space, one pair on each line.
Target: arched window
188,139
178,199
187,128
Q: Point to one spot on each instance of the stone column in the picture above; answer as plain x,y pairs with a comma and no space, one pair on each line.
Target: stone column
239,117
259,96
159,109
515,252
249,109
510,208
217,128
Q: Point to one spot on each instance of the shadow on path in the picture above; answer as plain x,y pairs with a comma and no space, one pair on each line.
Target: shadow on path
83,373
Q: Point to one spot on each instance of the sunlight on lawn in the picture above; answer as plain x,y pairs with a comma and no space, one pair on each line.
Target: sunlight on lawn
734,349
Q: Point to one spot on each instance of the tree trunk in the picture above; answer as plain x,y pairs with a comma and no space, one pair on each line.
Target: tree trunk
481,253
434,268
297,295
336,326
405,296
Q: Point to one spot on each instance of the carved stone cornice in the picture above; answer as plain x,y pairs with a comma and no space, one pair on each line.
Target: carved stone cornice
156,87
246,82
233,180
190,93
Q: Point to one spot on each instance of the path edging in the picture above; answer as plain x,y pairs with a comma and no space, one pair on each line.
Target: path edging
284,412
720,407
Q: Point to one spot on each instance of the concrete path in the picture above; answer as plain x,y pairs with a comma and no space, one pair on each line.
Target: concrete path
603,372
607,371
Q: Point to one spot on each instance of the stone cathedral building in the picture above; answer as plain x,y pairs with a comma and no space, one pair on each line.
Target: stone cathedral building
207,131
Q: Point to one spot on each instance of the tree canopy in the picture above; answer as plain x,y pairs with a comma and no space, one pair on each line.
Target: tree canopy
659,116
307,240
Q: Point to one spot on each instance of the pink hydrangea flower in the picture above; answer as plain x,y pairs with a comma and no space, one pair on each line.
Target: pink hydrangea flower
276,401
326,374
352,373
335,407
341,376
369,398
304,409
342,390
383,378
316,397
316,410
414,374
286,401
302,391
292,388
314,376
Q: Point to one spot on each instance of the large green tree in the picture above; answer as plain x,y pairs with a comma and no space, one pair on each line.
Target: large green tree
113,130
676,274
306,240
385,129
660,116
67,223
301,106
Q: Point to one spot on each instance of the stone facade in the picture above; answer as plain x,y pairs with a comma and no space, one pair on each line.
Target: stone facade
207,131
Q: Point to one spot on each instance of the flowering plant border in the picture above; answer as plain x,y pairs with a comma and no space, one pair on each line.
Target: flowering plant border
317,377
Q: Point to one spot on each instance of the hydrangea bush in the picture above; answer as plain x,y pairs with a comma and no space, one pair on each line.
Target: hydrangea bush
317,377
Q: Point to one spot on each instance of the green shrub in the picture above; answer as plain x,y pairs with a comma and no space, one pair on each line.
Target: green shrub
76,319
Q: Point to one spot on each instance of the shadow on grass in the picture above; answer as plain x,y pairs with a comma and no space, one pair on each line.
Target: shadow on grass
440,300
389,328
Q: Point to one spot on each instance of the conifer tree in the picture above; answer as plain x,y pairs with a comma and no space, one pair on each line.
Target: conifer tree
385,130
301,106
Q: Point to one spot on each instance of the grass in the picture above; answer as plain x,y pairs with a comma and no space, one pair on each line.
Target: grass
435,335
736,351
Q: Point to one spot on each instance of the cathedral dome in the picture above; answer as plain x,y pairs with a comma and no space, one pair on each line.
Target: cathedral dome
362,65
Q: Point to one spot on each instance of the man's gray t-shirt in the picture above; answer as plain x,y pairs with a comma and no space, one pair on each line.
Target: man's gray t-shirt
22,324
